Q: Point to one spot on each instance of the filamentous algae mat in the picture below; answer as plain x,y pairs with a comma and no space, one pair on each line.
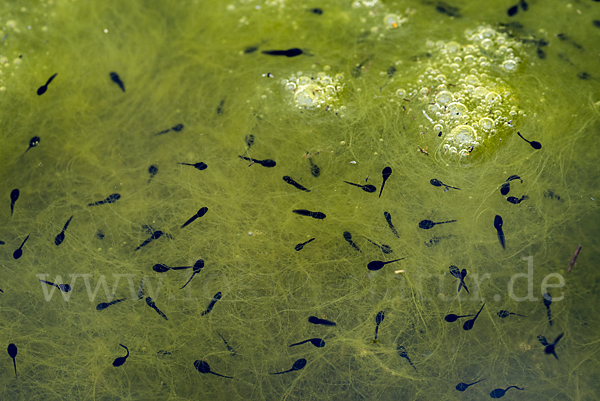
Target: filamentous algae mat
285,200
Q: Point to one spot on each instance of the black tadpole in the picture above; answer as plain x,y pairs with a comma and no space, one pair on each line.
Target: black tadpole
12,352
388,218
155,235
264,163
14,195
534,144
498,226
384,248
298,365
451,317
19,252
348,238
151,304
152,170
549,348
115,78
61,236
111,199
42,89
201,212
317,342
547,301
314,169
378,264
427,224
324,322
515,200
387,171
459,274
196,269
212,303
204,367
62,287
504,313
469,323
367,188
300,246
293,183
505,188
121,360
287,53
378,319
33,142
499,393
464,386
200,165
437,183
104,305
403,354
308,213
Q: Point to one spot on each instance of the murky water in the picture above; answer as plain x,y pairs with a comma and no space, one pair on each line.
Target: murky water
212,105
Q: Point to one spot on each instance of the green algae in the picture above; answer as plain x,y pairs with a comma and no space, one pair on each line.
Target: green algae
180,62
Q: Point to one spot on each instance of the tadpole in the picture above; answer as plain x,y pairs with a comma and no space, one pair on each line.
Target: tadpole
464,386
317,342
298,365
324,322
300,246
534,144
12,352
549,348
61,236
547,302
498,226
378,264
33,142
499,393
469,323
387,171
121,360
427,224
348,238
199,166
367,188
14,195
388,218
201,212
196,269
204,367
62,287
19,252
42,89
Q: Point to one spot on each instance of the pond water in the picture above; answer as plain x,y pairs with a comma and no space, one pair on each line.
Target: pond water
233,132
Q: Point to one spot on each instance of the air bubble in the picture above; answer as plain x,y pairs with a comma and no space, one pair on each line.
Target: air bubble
493,97
444,97
457,109
486,123
401,93
509,65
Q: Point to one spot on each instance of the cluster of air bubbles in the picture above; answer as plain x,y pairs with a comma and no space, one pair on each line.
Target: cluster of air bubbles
462,92
312,92
365,3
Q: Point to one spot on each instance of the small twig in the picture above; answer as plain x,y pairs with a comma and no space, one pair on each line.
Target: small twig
573,263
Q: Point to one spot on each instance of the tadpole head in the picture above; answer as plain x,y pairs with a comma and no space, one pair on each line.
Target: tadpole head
202,366
268,163
64,287
299,364
379,318
12,350
160,268
198,266
435,182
